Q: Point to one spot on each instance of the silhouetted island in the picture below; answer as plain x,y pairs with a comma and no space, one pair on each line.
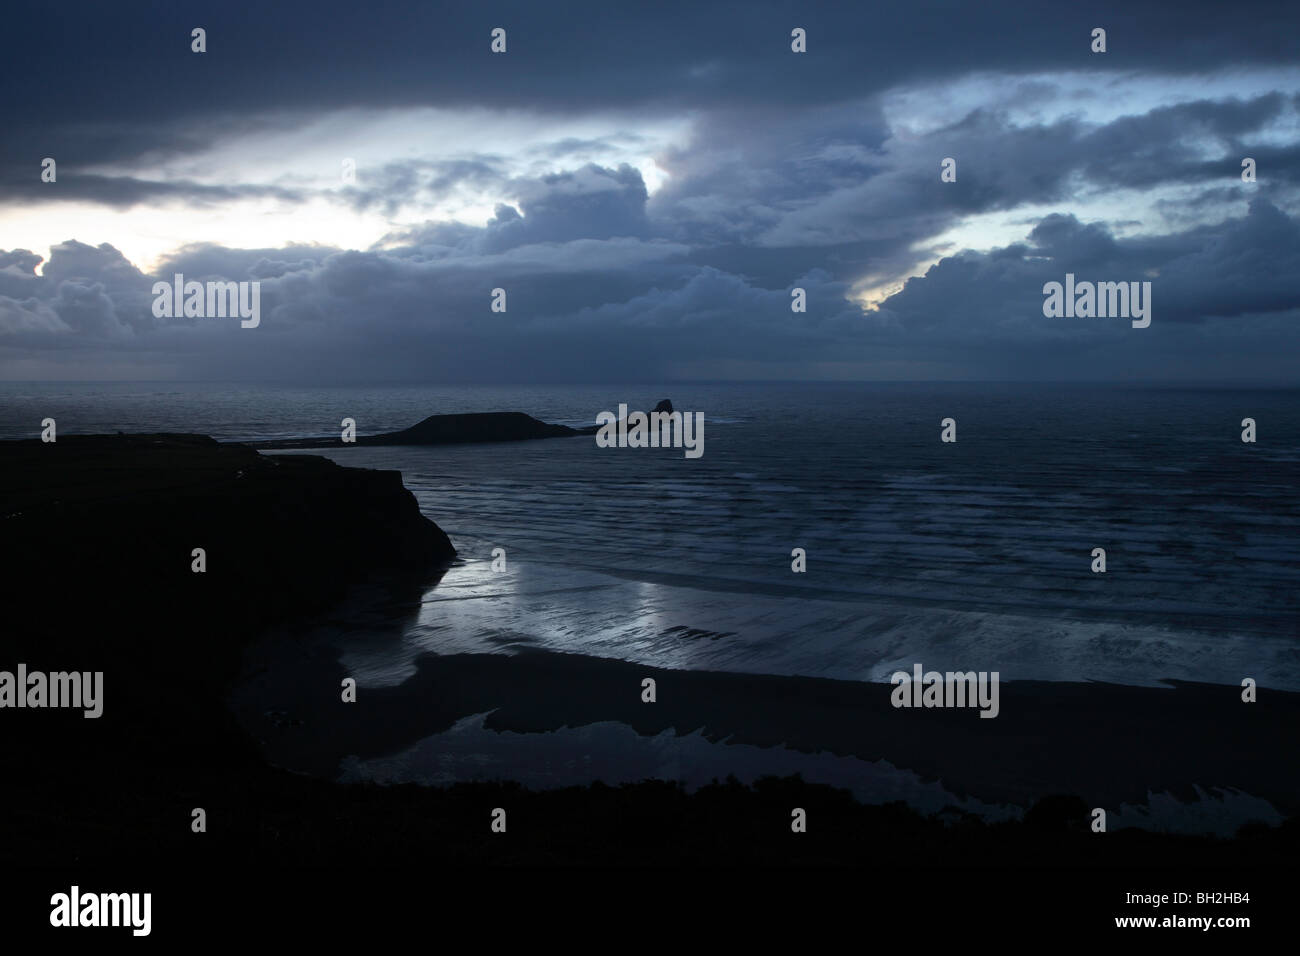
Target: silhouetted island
458,429
445,430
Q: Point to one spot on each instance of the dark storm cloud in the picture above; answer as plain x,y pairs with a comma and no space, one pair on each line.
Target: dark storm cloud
1003,166
77,74
1162,146
817,190
590,202
205,259
122,60
82,141
1233,290
126,191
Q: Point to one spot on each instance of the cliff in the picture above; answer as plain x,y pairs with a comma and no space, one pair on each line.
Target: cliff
99,533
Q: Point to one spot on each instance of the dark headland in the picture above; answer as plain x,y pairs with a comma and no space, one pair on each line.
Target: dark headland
459,429
445,430
98,534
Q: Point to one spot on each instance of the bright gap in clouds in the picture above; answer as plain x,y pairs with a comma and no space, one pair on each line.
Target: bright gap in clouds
147,234
306,156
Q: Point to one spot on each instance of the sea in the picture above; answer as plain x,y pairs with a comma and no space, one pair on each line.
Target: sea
974,554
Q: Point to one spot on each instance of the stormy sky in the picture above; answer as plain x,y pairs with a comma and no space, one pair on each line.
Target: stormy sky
648,182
